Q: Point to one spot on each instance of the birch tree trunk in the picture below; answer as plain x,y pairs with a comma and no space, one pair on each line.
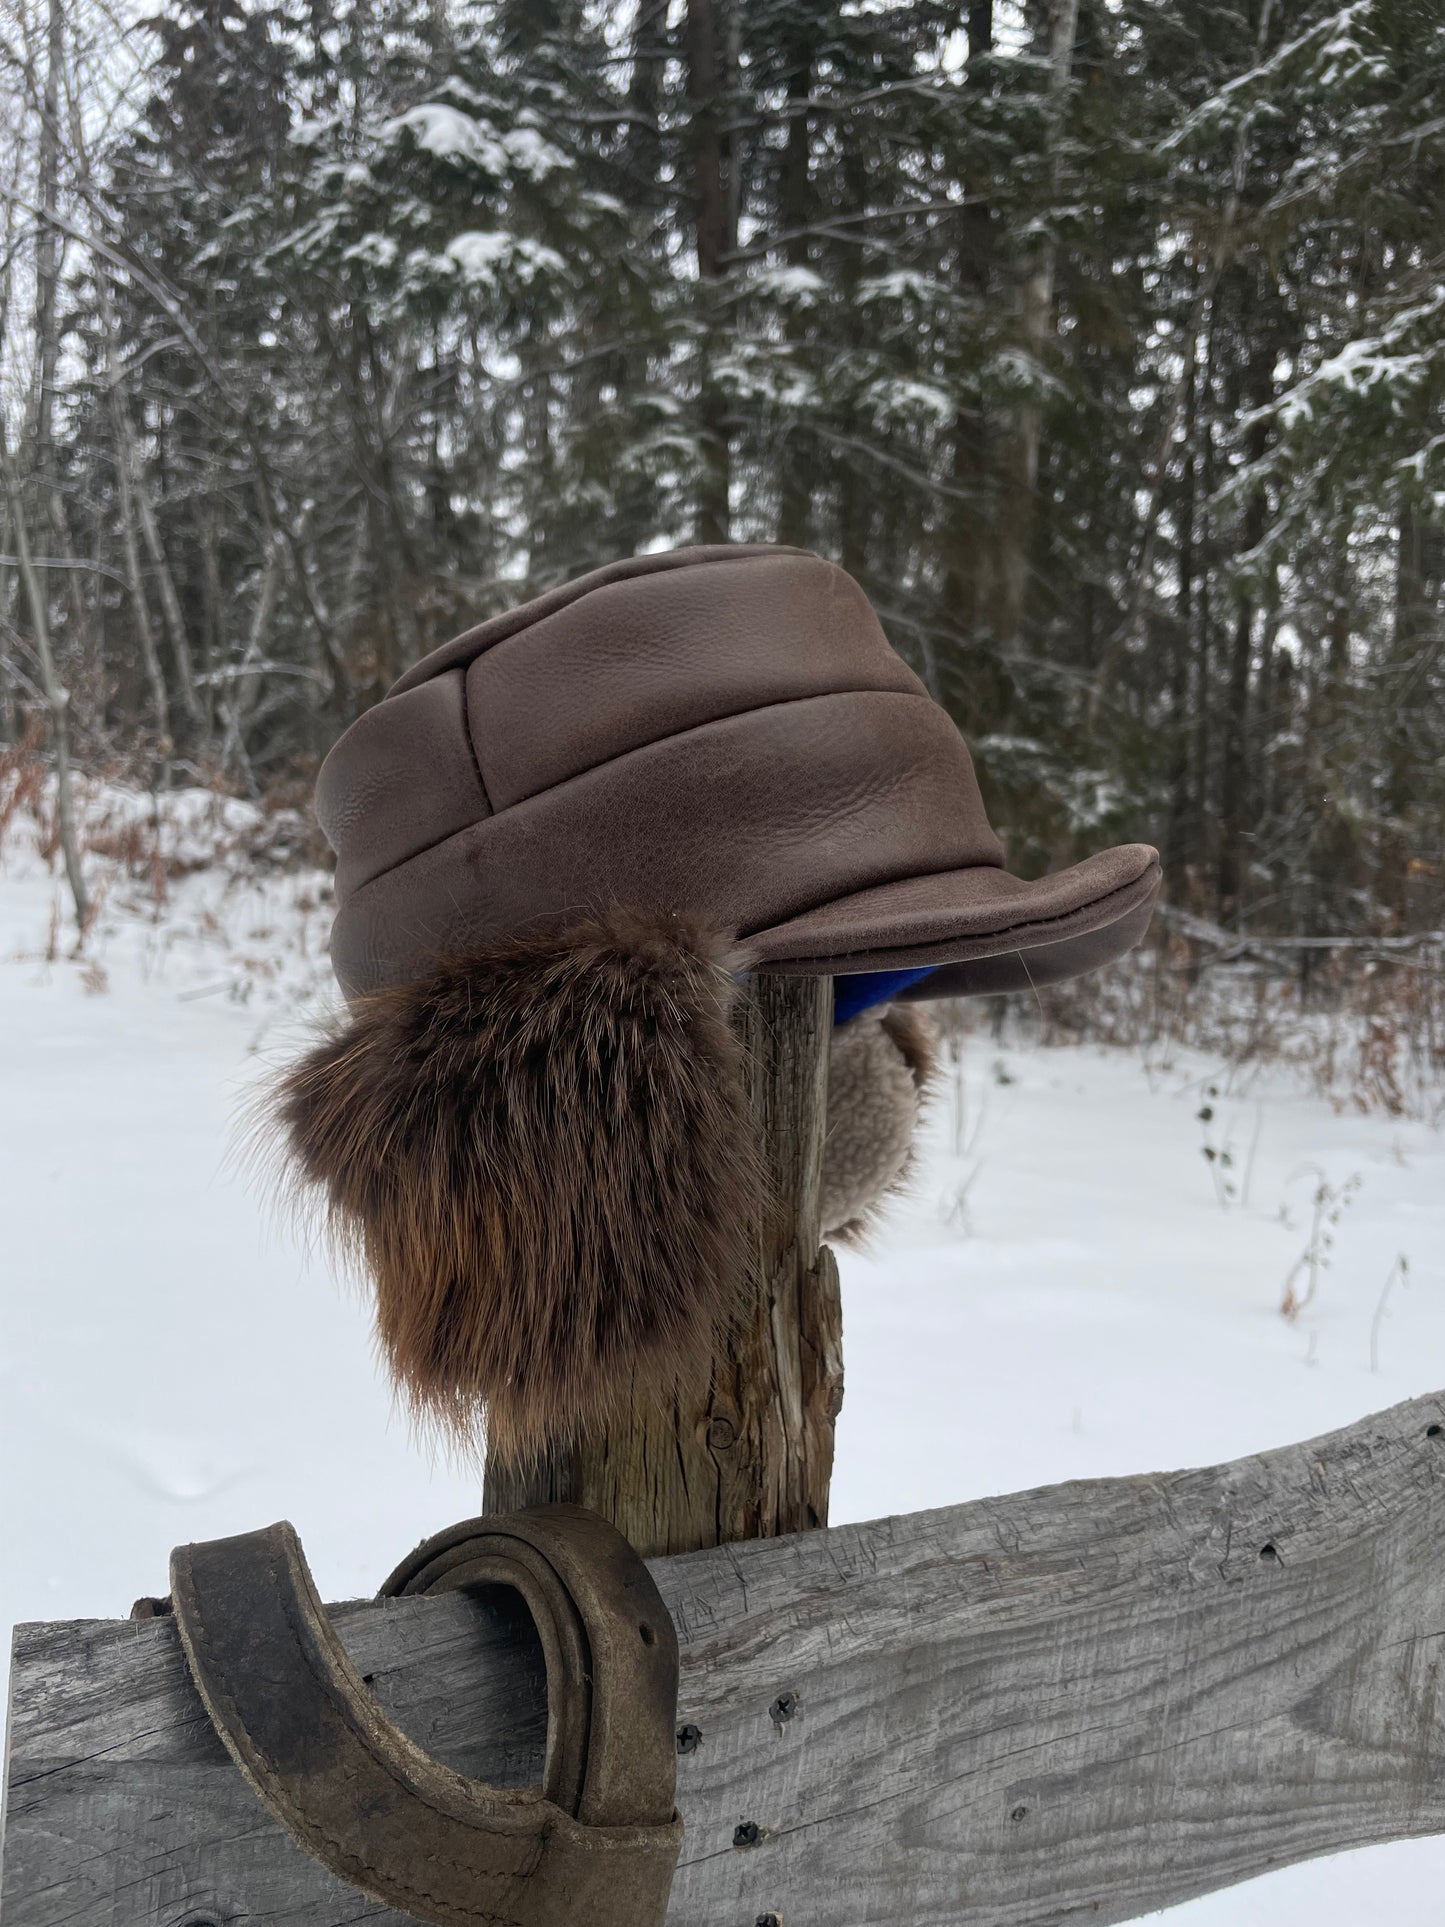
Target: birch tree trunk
752,1457
175,621
47,249
128,485
42,415
57,697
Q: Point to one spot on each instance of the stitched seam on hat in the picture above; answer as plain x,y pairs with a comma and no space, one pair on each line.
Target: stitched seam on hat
608,762
930,943
746,552
471,750
711,722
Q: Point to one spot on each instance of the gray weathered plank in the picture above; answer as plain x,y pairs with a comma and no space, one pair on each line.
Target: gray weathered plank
1089,1701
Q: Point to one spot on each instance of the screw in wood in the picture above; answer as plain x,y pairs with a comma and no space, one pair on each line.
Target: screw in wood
770,1920
748,1834
689,1739
783,1708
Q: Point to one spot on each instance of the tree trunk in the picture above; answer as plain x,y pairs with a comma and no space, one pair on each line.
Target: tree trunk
126,490
795,493
1410,663
175,621
969,553
752,1457
1234,761
241,696
140,609
711,221
57,697
1020,464
856,484
47,249
47,330
642,140
1179,840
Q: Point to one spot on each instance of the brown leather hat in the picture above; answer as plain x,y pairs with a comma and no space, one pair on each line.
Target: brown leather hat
724,731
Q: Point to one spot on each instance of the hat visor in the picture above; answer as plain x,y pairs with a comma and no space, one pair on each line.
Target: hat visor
982,929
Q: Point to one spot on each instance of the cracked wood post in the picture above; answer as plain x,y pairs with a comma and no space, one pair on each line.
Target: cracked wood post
753,1457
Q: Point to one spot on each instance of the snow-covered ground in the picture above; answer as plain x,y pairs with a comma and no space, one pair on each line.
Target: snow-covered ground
1071,1292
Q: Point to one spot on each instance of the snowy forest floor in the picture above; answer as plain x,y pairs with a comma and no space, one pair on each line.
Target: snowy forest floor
173,1365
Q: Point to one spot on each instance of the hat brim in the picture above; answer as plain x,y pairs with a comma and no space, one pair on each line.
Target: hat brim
982,929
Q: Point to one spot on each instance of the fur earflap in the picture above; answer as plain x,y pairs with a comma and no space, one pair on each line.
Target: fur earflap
544,1156
880,1065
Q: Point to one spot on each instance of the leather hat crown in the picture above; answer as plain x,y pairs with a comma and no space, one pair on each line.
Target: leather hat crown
563,841
719,731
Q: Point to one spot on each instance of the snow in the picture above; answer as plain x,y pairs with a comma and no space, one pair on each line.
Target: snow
479,252
1068,1292
532,156
1357,368
311,131
449,134
1015,371
373,251
1136,1313
909,396
800,286
1365,364
901,285
485,258
1336,34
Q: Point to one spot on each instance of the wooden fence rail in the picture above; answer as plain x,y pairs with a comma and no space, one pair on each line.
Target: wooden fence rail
1084,1702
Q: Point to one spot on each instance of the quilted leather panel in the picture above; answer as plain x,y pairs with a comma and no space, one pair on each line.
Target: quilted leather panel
766,814
636,661
466,647
401,778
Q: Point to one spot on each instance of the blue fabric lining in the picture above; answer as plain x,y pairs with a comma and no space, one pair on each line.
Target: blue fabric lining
869,987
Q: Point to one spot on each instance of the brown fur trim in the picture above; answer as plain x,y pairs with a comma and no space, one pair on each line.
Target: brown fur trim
915,1038
545,1158
880,1066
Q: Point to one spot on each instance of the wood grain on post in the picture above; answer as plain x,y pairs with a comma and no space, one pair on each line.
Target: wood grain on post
752,1457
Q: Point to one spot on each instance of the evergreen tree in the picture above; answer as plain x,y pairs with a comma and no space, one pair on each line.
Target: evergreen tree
1101,341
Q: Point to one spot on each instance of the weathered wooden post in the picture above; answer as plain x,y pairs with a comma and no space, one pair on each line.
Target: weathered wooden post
752,1456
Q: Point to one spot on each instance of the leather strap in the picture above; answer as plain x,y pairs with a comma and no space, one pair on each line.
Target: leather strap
597,1843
